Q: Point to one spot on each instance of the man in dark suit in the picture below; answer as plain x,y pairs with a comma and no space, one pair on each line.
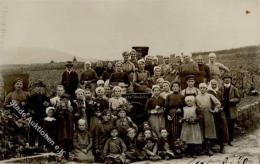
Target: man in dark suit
70,80
231,98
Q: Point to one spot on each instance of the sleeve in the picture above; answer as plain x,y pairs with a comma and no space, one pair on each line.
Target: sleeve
112,78
216,102
221,66
155,148
63,79
105,150
236,98
76,80
75,141
82,79
126,79
90,142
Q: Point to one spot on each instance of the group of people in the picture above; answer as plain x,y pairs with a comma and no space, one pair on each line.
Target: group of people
192,108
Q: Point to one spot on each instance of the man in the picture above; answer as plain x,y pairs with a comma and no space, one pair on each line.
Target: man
166,65
89,77
133,58
37,103
119,76
204,70
187,67
231,98
149,64
70,80
215,67
127,66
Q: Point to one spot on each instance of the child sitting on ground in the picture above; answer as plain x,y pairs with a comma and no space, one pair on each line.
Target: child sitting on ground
114,149
150,146
164,150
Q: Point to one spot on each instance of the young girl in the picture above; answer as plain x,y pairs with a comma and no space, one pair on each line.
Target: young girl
82,142
150,146
117,101
174,104
207,105
123,123
50,126
191,132
65,125
155,108
114,149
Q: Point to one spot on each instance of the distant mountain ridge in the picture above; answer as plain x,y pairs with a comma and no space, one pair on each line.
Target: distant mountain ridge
34,55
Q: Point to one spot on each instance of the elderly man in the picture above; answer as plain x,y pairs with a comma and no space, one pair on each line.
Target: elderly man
215,67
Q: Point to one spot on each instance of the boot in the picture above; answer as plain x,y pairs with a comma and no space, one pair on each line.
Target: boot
222,149
208,148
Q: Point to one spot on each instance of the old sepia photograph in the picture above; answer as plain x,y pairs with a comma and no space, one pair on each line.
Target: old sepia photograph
130,81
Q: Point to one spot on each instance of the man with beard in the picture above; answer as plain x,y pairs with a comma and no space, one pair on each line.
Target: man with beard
37,103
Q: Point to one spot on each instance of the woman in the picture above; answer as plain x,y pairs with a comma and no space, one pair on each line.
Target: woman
141,78
220,118
79,106
174,103
155,108
166,89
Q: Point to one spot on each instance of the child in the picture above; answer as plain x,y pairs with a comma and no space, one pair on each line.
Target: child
116,101
134,151
164,150
114,149
150,146
207,105
190,133
65,125
82,142
123,123
50,126
190,90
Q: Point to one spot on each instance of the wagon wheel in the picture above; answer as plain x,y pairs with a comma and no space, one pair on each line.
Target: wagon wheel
138,113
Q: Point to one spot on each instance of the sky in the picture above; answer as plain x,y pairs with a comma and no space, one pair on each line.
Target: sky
103,29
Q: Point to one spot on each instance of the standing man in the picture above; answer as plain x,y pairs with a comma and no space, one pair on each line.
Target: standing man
231,98
70,80
204,71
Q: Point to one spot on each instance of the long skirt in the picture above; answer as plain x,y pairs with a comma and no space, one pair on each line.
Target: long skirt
82,156
208,124
191,133
157,122
173,126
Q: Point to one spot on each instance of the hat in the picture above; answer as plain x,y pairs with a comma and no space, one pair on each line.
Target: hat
226,75
116,87
39,84
212,55
189,98
141,61
155,86
203,85
99,82
49,108
81,121
190,77
157,67
79,90
69,64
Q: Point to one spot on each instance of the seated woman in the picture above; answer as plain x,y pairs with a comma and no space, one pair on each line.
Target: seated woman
82,142
141,84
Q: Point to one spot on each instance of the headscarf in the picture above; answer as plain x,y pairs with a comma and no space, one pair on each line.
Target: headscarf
210,86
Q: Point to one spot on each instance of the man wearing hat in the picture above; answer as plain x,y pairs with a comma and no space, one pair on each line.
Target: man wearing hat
231,98
70,80
37,104
190,90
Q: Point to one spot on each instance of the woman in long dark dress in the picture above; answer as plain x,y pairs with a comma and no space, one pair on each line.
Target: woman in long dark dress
174,104
155,108
219,118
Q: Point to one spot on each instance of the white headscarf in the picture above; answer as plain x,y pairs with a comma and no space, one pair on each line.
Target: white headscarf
210,86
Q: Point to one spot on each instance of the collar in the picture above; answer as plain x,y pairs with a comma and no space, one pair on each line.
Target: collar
49,118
